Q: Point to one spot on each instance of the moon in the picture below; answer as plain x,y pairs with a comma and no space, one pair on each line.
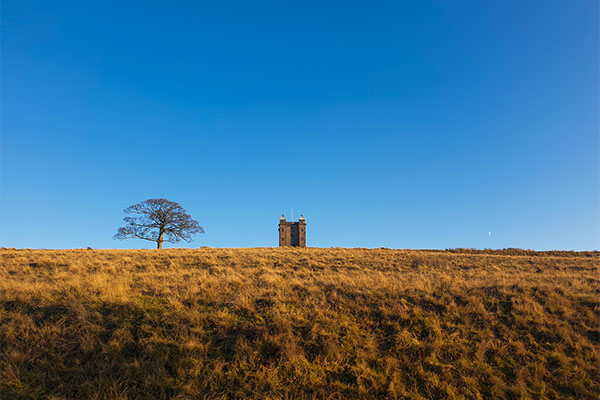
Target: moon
489,234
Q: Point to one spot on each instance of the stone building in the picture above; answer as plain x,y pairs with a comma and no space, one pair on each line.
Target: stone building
292,233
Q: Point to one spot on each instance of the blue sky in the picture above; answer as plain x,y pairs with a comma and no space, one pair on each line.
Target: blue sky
421,124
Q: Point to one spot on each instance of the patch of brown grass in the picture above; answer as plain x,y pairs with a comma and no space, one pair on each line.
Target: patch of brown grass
298,323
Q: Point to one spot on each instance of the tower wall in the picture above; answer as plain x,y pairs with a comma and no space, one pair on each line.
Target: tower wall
284,233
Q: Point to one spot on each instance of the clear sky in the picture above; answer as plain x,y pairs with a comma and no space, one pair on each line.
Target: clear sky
417,124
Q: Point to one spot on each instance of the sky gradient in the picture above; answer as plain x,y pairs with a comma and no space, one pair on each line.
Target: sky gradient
421,124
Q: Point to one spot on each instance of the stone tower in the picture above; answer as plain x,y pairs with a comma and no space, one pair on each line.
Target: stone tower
292,233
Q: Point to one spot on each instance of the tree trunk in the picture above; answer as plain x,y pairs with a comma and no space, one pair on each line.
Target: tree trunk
159,242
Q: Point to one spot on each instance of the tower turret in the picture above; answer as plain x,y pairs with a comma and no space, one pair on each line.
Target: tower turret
301,231
284,232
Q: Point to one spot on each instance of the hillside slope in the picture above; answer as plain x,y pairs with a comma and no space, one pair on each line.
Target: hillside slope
298,323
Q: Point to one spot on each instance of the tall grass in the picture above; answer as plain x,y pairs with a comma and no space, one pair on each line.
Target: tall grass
298,323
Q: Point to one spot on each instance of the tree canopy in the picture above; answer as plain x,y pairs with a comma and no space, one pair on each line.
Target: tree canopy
158,220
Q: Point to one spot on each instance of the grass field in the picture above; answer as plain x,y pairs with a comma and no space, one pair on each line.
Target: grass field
298,323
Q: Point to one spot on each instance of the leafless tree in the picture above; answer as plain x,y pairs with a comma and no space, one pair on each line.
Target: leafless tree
158,220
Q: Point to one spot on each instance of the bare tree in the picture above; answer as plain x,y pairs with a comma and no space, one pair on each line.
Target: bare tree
158,220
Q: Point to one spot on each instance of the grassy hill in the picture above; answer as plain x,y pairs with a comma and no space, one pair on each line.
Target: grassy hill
299,323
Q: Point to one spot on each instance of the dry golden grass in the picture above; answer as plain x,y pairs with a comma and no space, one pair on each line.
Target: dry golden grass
298,323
